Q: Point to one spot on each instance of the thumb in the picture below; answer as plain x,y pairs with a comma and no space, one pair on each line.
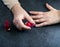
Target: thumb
49,7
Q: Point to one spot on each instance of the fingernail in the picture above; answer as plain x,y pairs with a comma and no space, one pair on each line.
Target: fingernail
36,26
29,28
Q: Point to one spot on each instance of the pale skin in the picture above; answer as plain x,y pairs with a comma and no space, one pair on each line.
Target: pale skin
46,18
19,15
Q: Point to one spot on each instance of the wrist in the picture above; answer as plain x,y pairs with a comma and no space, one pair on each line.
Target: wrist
16,9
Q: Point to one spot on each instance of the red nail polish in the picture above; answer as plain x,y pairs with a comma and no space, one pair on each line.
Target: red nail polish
29,24
7,25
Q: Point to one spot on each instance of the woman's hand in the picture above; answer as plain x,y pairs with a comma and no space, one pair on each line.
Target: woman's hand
19,15
46,18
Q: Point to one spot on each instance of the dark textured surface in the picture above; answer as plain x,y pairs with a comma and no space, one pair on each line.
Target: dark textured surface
48,36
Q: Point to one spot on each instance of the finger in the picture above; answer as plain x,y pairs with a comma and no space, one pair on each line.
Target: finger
29,19
41,24
49,7
40,20
22,25
17,25
37,16
36,12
